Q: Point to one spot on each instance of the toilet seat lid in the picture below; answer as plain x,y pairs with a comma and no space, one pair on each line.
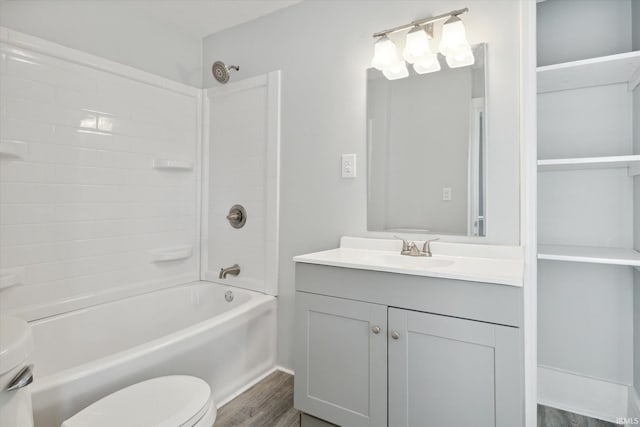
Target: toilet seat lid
171,401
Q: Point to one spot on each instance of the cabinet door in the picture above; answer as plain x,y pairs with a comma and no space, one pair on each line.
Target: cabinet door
446,371
341,360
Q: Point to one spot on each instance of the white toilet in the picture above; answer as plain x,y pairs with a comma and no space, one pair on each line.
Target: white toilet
172,401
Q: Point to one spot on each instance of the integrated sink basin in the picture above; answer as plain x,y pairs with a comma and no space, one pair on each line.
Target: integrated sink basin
502,265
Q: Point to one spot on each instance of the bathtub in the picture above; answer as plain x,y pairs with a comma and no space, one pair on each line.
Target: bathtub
189,329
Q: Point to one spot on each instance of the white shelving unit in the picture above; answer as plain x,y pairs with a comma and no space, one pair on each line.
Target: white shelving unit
632,162
590,254
586,131
605,70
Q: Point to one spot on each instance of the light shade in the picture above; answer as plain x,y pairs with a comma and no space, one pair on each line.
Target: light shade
396,71
454,38
417,46
385,54
430,65
461,59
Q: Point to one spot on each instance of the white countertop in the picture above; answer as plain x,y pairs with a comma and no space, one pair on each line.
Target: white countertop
502,265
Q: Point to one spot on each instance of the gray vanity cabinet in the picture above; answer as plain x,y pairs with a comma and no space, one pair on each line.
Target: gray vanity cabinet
341,360
381,349
445,371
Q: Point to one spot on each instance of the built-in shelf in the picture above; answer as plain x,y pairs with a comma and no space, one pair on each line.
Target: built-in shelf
172,254
632,162
168,164
589,254
603,70
13,150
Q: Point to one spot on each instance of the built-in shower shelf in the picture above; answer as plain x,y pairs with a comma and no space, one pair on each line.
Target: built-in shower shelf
11,277
589,254
603,70
168,164
175,253
13,150
632,162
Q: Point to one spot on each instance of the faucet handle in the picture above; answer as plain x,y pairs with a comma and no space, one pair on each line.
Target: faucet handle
405,243
426,248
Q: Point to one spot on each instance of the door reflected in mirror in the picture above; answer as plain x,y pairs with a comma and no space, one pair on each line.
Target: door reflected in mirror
426,144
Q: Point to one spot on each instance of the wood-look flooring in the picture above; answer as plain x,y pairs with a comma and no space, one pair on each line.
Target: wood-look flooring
551,417
269,403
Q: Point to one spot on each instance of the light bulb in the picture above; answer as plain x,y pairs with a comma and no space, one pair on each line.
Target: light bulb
384,54
454,37
429,65
396,71
462,58
417,45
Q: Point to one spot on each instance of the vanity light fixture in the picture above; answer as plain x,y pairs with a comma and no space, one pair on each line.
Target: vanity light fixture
385,54
453,45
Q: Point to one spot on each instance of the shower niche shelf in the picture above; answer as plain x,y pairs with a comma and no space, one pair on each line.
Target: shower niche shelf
168,164
589,254
13,150
11,277
632,162
175,253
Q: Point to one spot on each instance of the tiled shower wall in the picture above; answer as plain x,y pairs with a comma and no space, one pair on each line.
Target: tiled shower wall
81,214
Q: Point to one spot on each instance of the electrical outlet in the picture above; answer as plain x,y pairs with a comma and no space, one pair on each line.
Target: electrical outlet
348,165
446,194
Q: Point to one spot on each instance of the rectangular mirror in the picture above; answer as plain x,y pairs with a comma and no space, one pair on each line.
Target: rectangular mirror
426,144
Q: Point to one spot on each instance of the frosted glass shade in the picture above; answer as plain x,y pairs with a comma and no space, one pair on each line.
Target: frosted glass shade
461,59
396,71
427,65
454,38
416,47
385,54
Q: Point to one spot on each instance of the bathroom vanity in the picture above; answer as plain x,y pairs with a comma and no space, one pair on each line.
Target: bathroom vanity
387,339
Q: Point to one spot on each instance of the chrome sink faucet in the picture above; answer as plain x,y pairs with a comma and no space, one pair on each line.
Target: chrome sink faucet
234,270
411,249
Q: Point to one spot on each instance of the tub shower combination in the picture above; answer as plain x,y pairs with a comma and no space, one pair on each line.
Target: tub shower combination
113,206
192,329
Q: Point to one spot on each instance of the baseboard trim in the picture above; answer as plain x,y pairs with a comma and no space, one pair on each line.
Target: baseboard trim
285,370
582,395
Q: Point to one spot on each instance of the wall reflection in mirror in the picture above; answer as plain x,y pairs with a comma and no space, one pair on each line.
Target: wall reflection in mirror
426,144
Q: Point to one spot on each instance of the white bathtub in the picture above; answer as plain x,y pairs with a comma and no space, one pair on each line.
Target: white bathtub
190,329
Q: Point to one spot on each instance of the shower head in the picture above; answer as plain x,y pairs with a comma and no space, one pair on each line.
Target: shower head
221,71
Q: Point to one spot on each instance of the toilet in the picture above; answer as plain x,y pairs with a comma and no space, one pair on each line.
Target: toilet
171,401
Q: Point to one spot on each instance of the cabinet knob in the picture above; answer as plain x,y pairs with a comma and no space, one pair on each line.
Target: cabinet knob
395,335
375,330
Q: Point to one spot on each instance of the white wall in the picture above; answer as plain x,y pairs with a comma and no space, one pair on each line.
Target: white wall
569,30
105,29
323,49
83,210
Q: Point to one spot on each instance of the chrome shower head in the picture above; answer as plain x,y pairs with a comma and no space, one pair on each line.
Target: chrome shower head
221,71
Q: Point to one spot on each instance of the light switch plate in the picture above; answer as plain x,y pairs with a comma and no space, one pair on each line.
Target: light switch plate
349,166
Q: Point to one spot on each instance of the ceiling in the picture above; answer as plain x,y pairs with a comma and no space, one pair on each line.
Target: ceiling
199,18
192,18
